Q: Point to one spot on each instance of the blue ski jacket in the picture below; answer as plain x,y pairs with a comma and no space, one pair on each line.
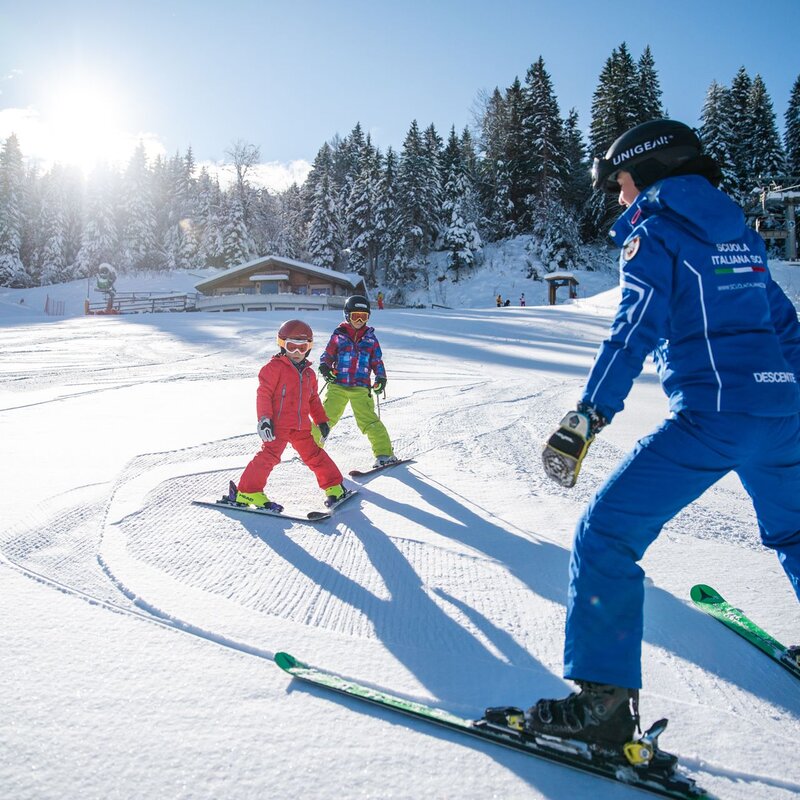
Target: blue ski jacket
697,293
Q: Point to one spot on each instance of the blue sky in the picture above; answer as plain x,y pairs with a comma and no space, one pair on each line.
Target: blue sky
287,76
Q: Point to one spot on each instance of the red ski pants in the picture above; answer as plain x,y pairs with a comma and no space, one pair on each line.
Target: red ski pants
255,475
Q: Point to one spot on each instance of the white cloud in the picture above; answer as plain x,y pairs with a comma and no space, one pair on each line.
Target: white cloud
270,175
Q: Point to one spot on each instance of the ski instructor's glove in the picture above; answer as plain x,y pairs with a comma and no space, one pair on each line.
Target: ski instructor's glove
265,429
566,448
324,430
327,373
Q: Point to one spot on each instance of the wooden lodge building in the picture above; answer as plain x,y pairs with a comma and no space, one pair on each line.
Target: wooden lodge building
274,283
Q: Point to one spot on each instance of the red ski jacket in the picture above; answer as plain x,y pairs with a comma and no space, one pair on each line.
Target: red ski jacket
288,395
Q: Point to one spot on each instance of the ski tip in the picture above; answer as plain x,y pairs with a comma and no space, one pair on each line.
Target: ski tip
701,593
316,516
287,662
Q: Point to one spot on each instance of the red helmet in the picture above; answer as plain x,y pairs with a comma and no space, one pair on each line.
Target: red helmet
296,336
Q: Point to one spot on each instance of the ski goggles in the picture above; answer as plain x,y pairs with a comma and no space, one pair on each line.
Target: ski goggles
359,316
296,345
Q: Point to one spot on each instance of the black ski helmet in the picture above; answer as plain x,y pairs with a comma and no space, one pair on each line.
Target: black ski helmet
648,152
356,302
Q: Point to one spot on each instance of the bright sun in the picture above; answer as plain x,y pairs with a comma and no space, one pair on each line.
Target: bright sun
82,124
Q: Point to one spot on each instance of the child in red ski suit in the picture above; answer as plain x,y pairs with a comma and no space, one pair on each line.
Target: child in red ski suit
287,396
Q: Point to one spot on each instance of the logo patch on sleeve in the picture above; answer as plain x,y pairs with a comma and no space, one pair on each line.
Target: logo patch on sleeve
631,248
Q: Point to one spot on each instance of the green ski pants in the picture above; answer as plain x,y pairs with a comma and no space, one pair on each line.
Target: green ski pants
360,398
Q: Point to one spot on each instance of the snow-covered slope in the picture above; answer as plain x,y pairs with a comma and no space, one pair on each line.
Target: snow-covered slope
139,629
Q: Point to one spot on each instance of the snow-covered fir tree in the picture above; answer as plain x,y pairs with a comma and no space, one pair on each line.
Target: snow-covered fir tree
388,227
716,134
649,88
739,120
792,133
12,175
361,212
515,160
615,109
544,143
235,237
99,241
492,173
209,220
767,161
324,245
460,235
139,246
54,266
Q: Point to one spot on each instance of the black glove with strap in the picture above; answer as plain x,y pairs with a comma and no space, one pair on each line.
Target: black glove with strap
324,430
327,373
566,448
379,385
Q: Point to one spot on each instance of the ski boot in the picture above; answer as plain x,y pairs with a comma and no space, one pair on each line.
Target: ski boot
333,494
384,461
257,499
598,714
793,654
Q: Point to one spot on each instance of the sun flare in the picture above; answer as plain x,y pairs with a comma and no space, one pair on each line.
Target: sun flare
83,124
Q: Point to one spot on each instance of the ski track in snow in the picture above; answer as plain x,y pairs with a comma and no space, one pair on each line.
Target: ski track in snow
415,545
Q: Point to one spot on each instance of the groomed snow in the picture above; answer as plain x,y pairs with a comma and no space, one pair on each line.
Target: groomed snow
138,629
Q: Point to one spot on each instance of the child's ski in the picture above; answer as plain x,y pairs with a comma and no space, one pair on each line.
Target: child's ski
654,770
362,473
713,603
312,516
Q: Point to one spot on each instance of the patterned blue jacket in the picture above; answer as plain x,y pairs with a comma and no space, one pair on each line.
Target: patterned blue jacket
696,289
353,355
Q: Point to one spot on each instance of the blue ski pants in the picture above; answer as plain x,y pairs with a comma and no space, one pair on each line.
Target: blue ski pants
666,471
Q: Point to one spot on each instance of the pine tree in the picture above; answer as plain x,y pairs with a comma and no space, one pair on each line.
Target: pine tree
323,231
53,266
767,157
649,88
614,105
418,204
291,233
492,176
235,237
391,242
740,120
208,216
615,110
544,143
139,248
99,240
361,211
12,271
514,161
792,133
716,135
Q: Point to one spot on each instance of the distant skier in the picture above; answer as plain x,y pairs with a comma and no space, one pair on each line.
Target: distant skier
286,397
522,299
696,288
499,301
380,301
352,355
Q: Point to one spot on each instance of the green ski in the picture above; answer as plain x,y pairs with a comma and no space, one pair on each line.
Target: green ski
654,771
713,603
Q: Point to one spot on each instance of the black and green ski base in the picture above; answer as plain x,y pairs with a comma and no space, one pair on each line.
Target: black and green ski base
660,776
714,604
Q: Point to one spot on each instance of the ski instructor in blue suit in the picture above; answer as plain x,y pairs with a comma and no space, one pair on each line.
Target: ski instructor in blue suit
696,292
